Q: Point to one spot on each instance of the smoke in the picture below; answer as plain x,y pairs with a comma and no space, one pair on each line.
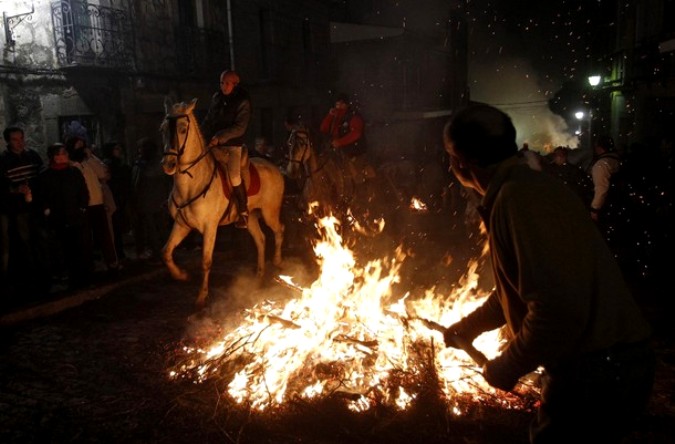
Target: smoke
512,85
519,58
230,301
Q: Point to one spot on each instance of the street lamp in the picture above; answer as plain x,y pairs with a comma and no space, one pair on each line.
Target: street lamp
594,80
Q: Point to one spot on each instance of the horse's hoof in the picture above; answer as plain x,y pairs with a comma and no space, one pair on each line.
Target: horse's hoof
182,276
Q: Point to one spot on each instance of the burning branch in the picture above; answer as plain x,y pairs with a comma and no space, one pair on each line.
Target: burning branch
284,322
341,336
288,283
370,344
459,342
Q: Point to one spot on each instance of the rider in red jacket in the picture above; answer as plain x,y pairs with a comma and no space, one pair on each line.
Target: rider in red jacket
344,126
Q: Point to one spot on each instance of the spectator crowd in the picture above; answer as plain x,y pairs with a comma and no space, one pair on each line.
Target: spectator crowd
71,219
87,210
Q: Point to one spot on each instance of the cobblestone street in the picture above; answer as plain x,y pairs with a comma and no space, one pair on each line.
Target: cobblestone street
92,367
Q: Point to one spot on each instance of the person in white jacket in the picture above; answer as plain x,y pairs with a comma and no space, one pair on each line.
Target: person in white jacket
606,163
95,172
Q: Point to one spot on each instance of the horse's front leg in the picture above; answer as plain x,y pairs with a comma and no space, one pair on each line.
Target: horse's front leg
271,218
178,233
259,240
208,244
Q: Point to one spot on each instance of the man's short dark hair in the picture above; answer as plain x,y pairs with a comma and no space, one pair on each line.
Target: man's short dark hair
53,149
606,142
9,130
483,134
70,143
108,148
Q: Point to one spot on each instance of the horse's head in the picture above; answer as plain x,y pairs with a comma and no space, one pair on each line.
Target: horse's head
299,152
178,127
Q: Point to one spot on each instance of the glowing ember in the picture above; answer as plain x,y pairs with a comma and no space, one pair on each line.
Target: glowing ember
418,205
346,334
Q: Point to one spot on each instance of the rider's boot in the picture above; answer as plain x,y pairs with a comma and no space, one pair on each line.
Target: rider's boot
240,199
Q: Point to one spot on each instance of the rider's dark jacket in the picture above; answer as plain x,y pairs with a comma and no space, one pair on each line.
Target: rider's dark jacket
228,117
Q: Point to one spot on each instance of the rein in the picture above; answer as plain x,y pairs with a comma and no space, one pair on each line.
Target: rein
205,152
201,194
172,128
307,148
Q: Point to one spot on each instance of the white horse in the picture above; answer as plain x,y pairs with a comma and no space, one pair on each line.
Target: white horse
200,199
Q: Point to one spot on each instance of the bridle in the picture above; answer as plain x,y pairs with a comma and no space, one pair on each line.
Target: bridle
172,120
173,134
301,159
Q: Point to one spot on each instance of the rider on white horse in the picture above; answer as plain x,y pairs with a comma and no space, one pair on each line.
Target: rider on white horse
224,126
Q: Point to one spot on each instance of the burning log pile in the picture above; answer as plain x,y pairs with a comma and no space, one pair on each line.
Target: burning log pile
348,338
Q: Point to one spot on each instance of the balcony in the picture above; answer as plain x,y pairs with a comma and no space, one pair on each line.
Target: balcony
93,35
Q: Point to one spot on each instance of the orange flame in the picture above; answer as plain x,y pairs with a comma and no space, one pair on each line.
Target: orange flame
347,332
417,204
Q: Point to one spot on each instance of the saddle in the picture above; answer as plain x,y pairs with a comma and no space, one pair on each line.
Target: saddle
249,176
249,173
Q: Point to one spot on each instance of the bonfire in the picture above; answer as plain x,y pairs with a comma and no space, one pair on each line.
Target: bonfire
348,335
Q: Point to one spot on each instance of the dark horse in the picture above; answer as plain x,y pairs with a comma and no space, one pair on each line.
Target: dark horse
329,184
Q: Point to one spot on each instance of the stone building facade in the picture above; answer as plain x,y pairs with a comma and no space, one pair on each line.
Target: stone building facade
635,98
109,64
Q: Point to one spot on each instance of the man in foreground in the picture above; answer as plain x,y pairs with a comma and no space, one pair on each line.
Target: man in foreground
559,292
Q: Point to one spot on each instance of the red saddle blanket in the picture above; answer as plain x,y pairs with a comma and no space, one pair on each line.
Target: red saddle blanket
253,186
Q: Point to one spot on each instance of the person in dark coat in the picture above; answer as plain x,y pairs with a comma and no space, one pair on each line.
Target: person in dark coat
224,128
572,175
63,197
120,187
150,193
559,292
23,265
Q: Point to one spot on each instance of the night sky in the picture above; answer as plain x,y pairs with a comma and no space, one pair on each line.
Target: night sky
557,36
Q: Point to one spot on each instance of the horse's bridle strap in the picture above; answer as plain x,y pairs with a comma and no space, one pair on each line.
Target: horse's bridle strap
172,119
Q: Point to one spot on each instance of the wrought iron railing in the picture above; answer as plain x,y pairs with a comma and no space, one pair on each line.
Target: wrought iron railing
93,35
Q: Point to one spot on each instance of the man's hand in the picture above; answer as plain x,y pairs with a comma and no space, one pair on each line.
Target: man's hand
498,376
452,337
455,338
